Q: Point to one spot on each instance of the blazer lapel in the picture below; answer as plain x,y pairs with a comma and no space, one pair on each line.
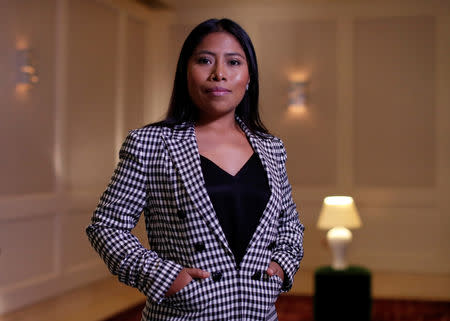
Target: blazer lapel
264,148
183,150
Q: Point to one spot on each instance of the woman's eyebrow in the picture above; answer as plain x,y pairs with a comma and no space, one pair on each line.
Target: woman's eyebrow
234,54
207,52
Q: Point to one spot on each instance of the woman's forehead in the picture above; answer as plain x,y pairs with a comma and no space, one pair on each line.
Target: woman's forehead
220,42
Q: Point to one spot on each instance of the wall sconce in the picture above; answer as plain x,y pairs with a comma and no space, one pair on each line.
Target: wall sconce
297,95
26,71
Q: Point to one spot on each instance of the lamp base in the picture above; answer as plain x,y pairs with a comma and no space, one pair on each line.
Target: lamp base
338,239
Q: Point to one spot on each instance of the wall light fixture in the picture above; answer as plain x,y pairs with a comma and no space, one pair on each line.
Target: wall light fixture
297,95
26,70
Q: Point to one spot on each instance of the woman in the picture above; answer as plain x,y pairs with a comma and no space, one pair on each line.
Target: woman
224,234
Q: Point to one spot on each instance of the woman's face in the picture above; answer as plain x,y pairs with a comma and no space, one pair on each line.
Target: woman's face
217,75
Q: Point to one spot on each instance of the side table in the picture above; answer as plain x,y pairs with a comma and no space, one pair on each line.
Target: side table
342,294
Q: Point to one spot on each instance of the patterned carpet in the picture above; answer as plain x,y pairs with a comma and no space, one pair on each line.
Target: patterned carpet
300,308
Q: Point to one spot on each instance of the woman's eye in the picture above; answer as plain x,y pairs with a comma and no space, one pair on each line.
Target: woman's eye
235,62
204,61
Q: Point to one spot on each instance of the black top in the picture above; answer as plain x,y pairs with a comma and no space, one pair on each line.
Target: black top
238,201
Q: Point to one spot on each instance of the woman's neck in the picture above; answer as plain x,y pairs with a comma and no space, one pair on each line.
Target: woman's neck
221,124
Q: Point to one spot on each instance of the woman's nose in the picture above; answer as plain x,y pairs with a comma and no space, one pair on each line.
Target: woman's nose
217,73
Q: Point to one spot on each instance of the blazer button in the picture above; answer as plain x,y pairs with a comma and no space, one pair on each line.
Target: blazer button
199,246
256,276
271,246
181,214
216,276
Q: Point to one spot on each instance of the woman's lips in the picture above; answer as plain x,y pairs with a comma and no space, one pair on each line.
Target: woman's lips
218,91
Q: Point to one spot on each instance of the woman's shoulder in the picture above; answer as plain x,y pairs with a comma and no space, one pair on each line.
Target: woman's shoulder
152,131
271,139
146,140
267,136
274,144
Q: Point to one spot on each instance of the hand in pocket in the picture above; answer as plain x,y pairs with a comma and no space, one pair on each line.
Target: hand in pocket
184,278
275,269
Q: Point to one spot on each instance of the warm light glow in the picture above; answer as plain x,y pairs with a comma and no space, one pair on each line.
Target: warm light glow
28,69
21,44
297,109
298,77
338,215
338,200
297,95
338,211
339,233
22,88
297,92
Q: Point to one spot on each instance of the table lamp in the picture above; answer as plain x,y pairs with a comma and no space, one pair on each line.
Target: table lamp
338,215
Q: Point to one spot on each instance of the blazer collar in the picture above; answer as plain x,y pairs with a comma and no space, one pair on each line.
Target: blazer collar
186,130
182,144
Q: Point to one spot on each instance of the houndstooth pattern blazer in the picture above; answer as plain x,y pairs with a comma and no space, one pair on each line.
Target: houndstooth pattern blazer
159,174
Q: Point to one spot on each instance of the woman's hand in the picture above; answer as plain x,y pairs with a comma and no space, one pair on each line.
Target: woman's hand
275,268
184,278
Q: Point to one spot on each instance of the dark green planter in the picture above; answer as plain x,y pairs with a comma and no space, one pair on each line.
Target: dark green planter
342,294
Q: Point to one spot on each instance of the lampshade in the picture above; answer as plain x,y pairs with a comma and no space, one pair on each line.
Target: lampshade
338,211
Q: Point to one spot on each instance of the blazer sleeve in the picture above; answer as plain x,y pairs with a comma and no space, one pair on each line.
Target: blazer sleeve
289,245
116,215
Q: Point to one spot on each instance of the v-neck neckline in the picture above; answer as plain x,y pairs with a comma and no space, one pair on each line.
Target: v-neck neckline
224,171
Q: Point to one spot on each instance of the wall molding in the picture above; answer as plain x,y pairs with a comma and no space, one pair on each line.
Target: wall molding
371,197
26,206
319,11
45,286
44,205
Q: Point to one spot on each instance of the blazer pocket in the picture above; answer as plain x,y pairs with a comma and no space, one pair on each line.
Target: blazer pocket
191,298
275,284
277,279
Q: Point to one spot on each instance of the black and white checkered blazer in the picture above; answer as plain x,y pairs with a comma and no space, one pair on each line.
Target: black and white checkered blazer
159,174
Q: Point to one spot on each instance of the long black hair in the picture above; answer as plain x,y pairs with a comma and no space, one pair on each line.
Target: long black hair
182,109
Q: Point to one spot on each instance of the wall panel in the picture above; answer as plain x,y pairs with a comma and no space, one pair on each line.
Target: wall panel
26,249
308,49
26,118
413,240
135,67
77,250
395,102
91,93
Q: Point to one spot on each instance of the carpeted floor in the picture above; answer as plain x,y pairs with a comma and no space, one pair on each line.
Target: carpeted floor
300,308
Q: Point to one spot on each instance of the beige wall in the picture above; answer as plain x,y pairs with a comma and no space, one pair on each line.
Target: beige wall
377,127
60,139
